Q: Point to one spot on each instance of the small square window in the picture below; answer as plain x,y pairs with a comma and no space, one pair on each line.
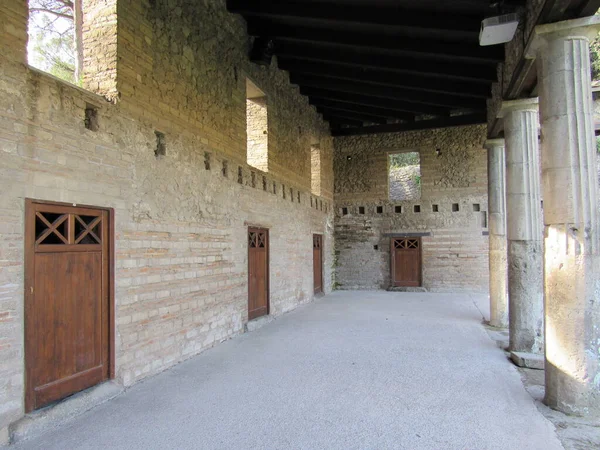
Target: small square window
161,144
361,209
344,211
435,208
455,207
476,207
380,210
398,209
417,208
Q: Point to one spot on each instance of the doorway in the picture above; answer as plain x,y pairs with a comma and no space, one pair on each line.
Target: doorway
258,272
68,300
318,263
406,262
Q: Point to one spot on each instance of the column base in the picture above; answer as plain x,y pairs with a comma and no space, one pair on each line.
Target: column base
528,360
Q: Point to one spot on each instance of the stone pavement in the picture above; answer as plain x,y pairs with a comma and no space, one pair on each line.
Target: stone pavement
354,370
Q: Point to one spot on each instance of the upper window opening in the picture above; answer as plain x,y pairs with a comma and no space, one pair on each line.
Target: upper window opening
56,38
257,127
405,176
315,169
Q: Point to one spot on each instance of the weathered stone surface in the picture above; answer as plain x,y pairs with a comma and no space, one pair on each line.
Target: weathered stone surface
528,360
572,245
524,230
497,240
405,183
455,253
181,243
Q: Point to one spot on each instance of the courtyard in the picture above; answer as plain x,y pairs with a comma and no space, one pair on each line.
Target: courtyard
360,369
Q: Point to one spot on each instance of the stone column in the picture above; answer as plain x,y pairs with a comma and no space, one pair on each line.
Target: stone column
524,232
497,239
572,271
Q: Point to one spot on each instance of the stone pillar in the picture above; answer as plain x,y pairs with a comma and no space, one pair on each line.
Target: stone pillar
497,239
524,232
572,271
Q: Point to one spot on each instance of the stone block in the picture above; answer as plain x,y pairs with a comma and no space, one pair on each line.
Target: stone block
528,360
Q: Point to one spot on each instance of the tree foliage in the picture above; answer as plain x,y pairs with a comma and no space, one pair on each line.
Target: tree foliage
404,159
595,59
53,43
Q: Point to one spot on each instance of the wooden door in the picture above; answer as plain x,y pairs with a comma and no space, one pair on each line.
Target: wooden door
68,300
258,273
406,262
318,262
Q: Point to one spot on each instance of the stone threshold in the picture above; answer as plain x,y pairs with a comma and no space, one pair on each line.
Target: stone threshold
58,414
257,323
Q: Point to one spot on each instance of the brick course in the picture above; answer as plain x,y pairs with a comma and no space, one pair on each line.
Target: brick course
181,243
455,254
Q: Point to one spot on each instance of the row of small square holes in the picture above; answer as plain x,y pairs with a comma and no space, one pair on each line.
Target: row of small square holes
416,208
317,203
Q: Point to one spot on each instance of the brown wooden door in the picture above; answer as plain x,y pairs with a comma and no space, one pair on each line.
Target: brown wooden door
67,301
258,273
406,262
318,262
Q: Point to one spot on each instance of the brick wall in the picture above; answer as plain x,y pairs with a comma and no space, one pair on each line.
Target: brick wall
455,249
181,243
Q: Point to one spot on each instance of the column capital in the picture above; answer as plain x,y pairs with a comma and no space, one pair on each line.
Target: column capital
494,143
583,28
522,104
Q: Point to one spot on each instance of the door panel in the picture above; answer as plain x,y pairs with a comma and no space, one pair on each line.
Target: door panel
258,273
318,262
406,262
67,301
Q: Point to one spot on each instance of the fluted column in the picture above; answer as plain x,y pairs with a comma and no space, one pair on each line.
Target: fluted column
497,238
572,270
524,231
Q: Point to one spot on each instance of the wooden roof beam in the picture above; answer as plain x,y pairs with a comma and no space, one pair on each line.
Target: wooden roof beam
392,17
353,87
370,59
441,122
385,77
359,99
396,42
351,115
354,108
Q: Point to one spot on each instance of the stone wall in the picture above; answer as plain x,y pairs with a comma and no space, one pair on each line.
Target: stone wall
181,219
455,245
257,127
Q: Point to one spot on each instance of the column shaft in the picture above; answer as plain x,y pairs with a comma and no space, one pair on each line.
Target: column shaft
497,238
572,271
524,226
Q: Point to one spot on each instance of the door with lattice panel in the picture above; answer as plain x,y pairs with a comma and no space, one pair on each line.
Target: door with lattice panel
68,300
318,262
406,262
258,272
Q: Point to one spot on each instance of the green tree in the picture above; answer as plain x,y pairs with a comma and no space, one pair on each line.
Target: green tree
404,159
55,35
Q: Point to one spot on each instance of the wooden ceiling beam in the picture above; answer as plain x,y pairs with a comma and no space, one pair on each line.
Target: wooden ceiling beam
391,17
371,110
441,122
356,87
395,42
386,78
379,102
369,59
351,115
342,120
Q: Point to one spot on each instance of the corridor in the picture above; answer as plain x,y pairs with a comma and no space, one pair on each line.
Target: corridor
354,370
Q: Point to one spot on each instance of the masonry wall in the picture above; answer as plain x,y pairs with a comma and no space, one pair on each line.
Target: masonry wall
454,243
181,219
